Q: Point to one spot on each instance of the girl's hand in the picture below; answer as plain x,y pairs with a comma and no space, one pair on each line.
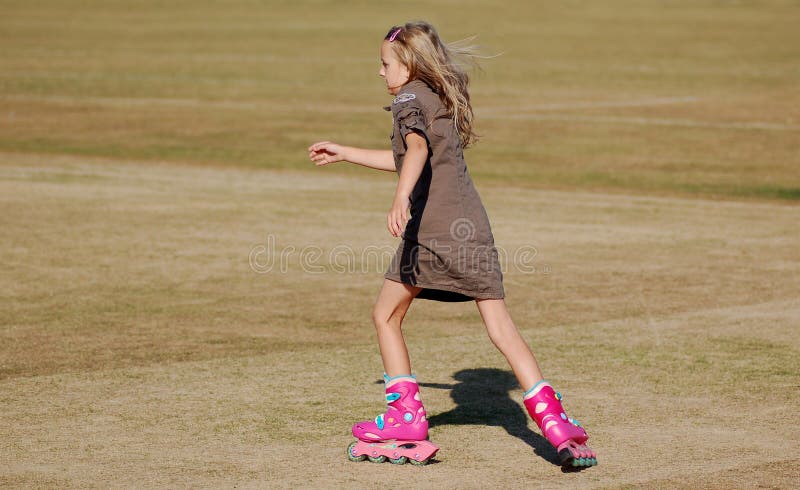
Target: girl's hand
325,152
398,215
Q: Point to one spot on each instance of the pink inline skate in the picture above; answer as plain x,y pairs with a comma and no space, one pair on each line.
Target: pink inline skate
565,434
399,435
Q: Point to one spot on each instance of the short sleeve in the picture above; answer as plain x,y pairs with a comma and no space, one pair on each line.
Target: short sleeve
408,116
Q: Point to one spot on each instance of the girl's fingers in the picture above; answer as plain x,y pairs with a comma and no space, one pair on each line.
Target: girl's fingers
323,157
396,221
316,146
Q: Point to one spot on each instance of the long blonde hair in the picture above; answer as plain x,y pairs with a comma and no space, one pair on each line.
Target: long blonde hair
418,46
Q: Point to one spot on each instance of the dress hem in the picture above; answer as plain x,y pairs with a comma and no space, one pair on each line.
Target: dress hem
489,294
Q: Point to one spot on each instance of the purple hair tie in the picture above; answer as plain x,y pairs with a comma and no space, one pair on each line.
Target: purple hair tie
394,34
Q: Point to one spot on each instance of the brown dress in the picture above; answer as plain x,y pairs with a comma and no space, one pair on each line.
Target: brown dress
447,247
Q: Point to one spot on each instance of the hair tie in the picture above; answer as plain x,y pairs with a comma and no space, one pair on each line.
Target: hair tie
394,34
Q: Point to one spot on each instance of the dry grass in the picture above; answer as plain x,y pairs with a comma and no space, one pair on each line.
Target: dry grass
141,349
648,152
681,98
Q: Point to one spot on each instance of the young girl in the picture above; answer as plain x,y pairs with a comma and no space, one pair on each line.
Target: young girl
446,251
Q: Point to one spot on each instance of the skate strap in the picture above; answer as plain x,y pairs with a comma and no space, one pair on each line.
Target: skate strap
536,388
387,378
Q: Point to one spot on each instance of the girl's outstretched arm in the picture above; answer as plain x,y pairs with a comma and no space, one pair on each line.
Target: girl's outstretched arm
413,163
325,152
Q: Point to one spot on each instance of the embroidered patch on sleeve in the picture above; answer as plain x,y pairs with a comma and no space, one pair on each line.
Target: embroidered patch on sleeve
403,98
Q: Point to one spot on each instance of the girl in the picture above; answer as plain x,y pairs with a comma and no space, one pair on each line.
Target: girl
446,251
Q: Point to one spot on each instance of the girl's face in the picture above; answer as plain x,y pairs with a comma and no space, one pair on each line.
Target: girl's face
392,71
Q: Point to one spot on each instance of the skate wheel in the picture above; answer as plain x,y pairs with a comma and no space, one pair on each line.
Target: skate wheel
351,456
584,462
379,459
400,460
419,463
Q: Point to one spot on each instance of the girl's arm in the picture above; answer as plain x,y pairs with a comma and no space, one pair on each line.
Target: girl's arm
413,163
326,152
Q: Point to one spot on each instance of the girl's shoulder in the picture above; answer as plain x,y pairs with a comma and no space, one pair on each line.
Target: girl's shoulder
419,95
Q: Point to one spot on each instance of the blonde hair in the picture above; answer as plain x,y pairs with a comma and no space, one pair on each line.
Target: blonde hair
418,46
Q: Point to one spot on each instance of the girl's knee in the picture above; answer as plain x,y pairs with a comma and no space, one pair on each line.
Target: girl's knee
381,318
378,317
386,315
498,338
502,333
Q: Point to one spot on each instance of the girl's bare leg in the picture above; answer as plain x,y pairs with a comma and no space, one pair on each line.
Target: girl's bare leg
544,407
387,315
506,337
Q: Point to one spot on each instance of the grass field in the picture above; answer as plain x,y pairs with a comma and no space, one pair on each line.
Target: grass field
149,154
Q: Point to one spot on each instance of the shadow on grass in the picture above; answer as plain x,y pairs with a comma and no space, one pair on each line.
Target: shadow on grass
482,398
